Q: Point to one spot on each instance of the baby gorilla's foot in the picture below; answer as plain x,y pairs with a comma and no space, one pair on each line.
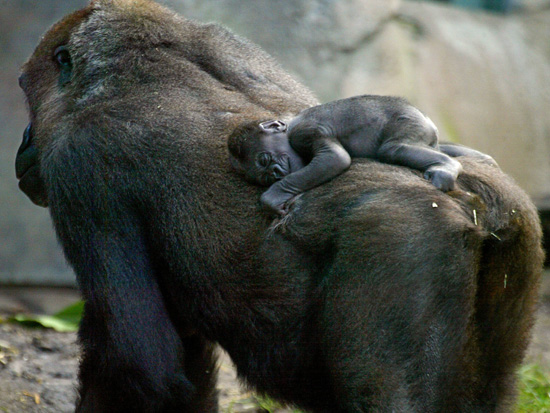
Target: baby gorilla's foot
441,178
486,159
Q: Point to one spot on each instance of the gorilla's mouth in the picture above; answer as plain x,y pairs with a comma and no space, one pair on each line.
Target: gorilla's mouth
31,184
27,169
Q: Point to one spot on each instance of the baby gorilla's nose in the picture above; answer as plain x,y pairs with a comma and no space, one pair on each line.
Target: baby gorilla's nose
277,171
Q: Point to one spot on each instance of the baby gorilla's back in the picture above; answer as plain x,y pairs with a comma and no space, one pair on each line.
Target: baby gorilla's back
362,124
385,128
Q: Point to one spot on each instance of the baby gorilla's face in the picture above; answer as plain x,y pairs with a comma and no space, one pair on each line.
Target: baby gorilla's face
271,157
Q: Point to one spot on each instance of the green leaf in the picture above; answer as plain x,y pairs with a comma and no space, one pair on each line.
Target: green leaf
71,313
65,320
534,390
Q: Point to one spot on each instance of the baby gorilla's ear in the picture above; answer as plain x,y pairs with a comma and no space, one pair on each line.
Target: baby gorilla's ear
273,126
236,164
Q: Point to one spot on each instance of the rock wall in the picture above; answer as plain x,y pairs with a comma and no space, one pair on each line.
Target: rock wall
28,250
483,78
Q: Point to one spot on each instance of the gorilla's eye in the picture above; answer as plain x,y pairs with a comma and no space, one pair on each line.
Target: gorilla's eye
64,63
264,159
62,57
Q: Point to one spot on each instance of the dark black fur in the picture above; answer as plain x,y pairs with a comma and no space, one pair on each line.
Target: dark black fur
377,293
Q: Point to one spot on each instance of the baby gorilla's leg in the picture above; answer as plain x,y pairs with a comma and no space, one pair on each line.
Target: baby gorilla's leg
439,168
454,150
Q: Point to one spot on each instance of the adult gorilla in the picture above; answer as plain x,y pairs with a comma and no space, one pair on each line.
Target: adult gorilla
378,292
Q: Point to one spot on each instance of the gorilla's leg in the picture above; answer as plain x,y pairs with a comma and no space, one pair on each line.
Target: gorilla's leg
136,355
507,281
133,357
200,368
398,329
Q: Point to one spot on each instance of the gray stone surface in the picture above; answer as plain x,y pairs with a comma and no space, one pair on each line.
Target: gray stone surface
484,78
28,249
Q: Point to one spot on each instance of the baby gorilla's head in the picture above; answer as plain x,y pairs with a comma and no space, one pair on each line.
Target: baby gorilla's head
262,153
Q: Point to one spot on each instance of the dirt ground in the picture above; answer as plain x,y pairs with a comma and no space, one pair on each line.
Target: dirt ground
38,366
38,373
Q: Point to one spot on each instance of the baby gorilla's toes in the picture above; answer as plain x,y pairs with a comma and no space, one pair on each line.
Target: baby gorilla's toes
488,160
441,178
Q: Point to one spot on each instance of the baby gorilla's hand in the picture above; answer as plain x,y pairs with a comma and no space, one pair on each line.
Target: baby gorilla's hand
441,178
275,198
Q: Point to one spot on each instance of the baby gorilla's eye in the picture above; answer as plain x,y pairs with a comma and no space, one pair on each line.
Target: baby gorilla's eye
264,159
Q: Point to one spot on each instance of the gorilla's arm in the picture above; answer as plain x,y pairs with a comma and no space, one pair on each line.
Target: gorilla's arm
125,315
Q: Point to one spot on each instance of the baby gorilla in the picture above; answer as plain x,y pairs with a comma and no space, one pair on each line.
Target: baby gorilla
318,144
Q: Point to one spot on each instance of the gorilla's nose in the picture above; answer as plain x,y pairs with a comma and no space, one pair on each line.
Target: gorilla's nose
26,154
23,80
27,139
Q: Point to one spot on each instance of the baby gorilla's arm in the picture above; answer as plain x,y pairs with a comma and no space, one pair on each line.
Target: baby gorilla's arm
438,167
330,159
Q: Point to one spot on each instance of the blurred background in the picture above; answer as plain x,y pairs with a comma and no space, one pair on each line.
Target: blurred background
479,68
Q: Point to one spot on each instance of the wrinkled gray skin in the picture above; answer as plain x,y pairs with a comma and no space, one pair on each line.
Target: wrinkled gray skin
378,292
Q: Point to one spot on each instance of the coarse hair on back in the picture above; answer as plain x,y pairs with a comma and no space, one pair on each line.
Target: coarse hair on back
242,136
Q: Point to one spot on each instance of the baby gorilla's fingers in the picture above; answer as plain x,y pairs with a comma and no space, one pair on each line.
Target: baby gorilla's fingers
441,178
273,200
290,203
280,210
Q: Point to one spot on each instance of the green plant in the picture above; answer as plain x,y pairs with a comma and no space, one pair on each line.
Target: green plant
271,406
534,389
65,320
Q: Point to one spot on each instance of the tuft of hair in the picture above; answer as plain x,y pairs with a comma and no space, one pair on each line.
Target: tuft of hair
241,137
